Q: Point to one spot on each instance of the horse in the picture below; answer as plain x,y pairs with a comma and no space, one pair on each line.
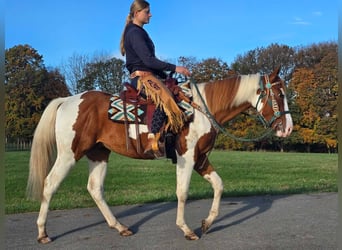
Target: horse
76,126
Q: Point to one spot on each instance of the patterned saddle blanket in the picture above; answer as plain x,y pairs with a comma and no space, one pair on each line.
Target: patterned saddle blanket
116,111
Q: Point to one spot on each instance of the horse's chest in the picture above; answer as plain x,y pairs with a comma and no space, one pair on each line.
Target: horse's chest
197,129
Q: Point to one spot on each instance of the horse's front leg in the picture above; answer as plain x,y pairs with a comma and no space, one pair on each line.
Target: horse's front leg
183,180
208,173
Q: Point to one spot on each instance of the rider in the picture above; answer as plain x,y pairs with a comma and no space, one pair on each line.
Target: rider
147,70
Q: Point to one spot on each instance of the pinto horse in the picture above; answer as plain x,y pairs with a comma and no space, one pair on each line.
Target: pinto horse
78,126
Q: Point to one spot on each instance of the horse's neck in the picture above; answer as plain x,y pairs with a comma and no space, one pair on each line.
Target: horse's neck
227,98
226,115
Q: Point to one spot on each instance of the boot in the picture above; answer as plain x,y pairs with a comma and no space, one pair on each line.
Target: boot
152,144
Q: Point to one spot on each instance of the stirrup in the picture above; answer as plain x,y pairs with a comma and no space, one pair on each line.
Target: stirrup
153,145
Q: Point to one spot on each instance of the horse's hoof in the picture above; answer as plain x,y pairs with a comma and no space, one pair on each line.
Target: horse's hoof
126,232
44,240
191,236
205,226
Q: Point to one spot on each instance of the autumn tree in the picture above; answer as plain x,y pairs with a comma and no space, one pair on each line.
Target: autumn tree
314,84
28,87
304,85
326,97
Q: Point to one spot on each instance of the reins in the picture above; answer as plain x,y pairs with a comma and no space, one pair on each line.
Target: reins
266,124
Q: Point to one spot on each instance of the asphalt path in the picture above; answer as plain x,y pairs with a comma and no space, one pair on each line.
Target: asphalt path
306,221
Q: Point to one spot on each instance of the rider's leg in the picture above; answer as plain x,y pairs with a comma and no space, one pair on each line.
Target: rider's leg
158,120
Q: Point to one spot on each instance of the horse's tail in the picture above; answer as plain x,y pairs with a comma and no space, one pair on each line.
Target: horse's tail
43,150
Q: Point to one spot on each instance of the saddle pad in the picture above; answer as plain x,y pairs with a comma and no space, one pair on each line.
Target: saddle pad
116,108
185,106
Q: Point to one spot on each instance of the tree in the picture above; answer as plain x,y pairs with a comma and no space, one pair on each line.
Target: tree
105,75
304,85
210,69
99,72
74,71
310,56
326,97
314,84
29,87
54,86
265,60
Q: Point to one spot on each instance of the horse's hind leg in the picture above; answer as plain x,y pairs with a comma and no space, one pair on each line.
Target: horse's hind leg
51,183
208,173
97,173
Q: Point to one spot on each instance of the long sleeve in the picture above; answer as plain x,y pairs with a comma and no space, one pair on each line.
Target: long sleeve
140,52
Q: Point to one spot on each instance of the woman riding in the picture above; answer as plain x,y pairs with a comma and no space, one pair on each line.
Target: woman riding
146,71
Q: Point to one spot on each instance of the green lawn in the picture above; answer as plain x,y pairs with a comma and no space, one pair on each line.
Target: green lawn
131,181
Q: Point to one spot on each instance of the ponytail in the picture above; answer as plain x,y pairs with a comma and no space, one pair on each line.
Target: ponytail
122,47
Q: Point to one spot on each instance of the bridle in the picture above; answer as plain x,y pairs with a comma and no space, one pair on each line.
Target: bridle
265,92
263,97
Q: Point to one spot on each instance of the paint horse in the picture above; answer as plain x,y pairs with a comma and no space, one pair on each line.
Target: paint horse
78,126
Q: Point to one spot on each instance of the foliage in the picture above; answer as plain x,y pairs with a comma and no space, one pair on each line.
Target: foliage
265,60
314,87
29,87
100,72
210,69
105,75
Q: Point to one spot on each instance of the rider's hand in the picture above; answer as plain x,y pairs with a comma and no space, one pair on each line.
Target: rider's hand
183,70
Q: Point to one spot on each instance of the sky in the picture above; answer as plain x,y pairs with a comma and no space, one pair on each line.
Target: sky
221,29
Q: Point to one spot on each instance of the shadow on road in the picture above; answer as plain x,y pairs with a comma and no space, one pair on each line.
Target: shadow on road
248,208
233,211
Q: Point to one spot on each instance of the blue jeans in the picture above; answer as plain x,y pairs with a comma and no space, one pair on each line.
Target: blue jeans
159,116
158,120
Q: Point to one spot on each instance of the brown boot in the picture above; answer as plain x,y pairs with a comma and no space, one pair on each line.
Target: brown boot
152,144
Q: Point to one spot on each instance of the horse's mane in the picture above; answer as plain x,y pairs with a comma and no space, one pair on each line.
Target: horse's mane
229,92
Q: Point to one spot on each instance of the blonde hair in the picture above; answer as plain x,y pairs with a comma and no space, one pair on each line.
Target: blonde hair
137,5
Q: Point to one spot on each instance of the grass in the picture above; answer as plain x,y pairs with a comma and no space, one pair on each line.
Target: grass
131,181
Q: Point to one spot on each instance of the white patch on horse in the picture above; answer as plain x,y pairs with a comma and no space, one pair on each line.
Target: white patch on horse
289,123
249,84
133,133
199,127
66,117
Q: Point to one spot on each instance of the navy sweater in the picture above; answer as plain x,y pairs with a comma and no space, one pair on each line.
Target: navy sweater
140,52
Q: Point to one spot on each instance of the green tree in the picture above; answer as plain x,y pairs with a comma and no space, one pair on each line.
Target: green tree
105,75
210,69
265,60
29,87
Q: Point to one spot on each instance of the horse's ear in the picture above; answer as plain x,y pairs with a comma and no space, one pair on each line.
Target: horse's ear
275,73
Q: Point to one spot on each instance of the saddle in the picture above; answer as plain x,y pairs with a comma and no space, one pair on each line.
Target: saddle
130,95
133,107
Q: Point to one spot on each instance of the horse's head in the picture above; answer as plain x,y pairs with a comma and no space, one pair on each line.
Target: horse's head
272,104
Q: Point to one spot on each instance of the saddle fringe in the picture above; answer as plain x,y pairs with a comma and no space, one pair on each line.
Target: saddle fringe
163,98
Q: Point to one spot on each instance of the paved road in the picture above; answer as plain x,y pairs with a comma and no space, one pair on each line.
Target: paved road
263,222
